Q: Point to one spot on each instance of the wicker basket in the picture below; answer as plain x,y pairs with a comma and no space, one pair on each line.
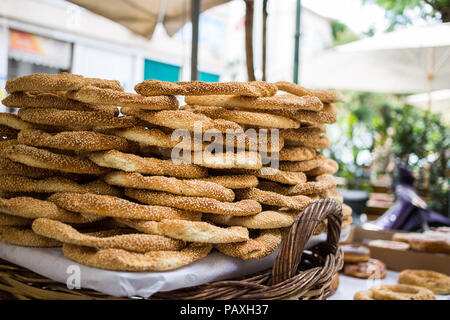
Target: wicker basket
296,274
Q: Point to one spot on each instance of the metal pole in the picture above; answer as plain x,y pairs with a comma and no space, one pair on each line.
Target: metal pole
297,40
195,12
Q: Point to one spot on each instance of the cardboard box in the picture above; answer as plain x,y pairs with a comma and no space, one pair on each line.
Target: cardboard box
398,260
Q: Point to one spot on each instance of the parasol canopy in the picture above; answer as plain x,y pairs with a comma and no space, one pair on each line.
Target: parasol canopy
142,16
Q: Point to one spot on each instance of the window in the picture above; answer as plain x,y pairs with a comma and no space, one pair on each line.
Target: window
161,71
209,77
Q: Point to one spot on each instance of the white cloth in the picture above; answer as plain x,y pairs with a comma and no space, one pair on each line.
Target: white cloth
50,263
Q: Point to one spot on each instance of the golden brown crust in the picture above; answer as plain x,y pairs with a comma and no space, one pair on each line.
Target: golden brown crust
17,183
371,269
259,247
234,181
13,121
202,232
95,95
437,282
320,184
25,237
30,208
11,167
145,226
121,260
86,141
118,208
183,119
44,82
53,101
329,166
132,242
355,253
247,118
44,159
194,188
200,204
302,166
274,199
257,103
327,115
401,292
132,163
364,295
394,245
262,220
323,95
14,221
198,88
87,120
297,154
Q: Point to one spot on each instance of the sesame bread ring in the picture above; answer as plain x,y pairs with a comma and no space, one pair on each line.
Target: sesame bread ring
302,166
118,208
276,175
274,199
262,220
145,226
63,81
85,119
44,159
10,167
329,166
13,121
371,269
327,115
256,248
323,95
200,204
364,295
257,103
132,163
31,208
25,237
301,134
132,242
322,142
333,193
16,183
437,282
401,292
320,184
355,253
8,133
297,154
253,119
122,260
228,160
203,232
85,141
234,181
199,88
53,101
245,141
14,221
95,95
183,119
194,188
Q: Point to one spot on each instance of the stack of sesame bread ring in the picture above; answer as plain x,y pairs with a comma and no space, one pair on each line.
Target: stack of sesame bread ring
136,182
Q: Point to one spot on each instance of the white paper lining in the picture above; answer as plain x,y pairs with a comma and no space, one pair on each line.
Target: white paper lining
50,263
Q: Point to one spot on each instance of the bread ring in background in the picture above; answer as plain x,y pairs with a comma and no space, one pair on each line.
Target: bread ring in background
121,260
118,208
246,118
194,188
364,295
101,96
133,242
274,199
198,88
63,81
328,167
437,282
262,220
394,245
355,253
44,159
132,163
323,95
201,232
199,204
25,237
31,208
371,269
255,248
82,119
14,221
401,292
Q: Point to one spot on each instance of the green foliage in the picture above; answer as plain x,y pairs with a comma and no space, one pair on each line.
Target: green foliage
341,34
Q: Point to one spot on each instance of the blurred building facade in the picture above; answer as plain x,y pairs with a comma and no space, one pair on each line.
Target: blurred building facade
54,35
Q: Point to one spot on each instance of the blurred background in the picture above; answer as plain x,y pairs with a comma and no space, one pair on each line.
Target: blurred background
390,59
